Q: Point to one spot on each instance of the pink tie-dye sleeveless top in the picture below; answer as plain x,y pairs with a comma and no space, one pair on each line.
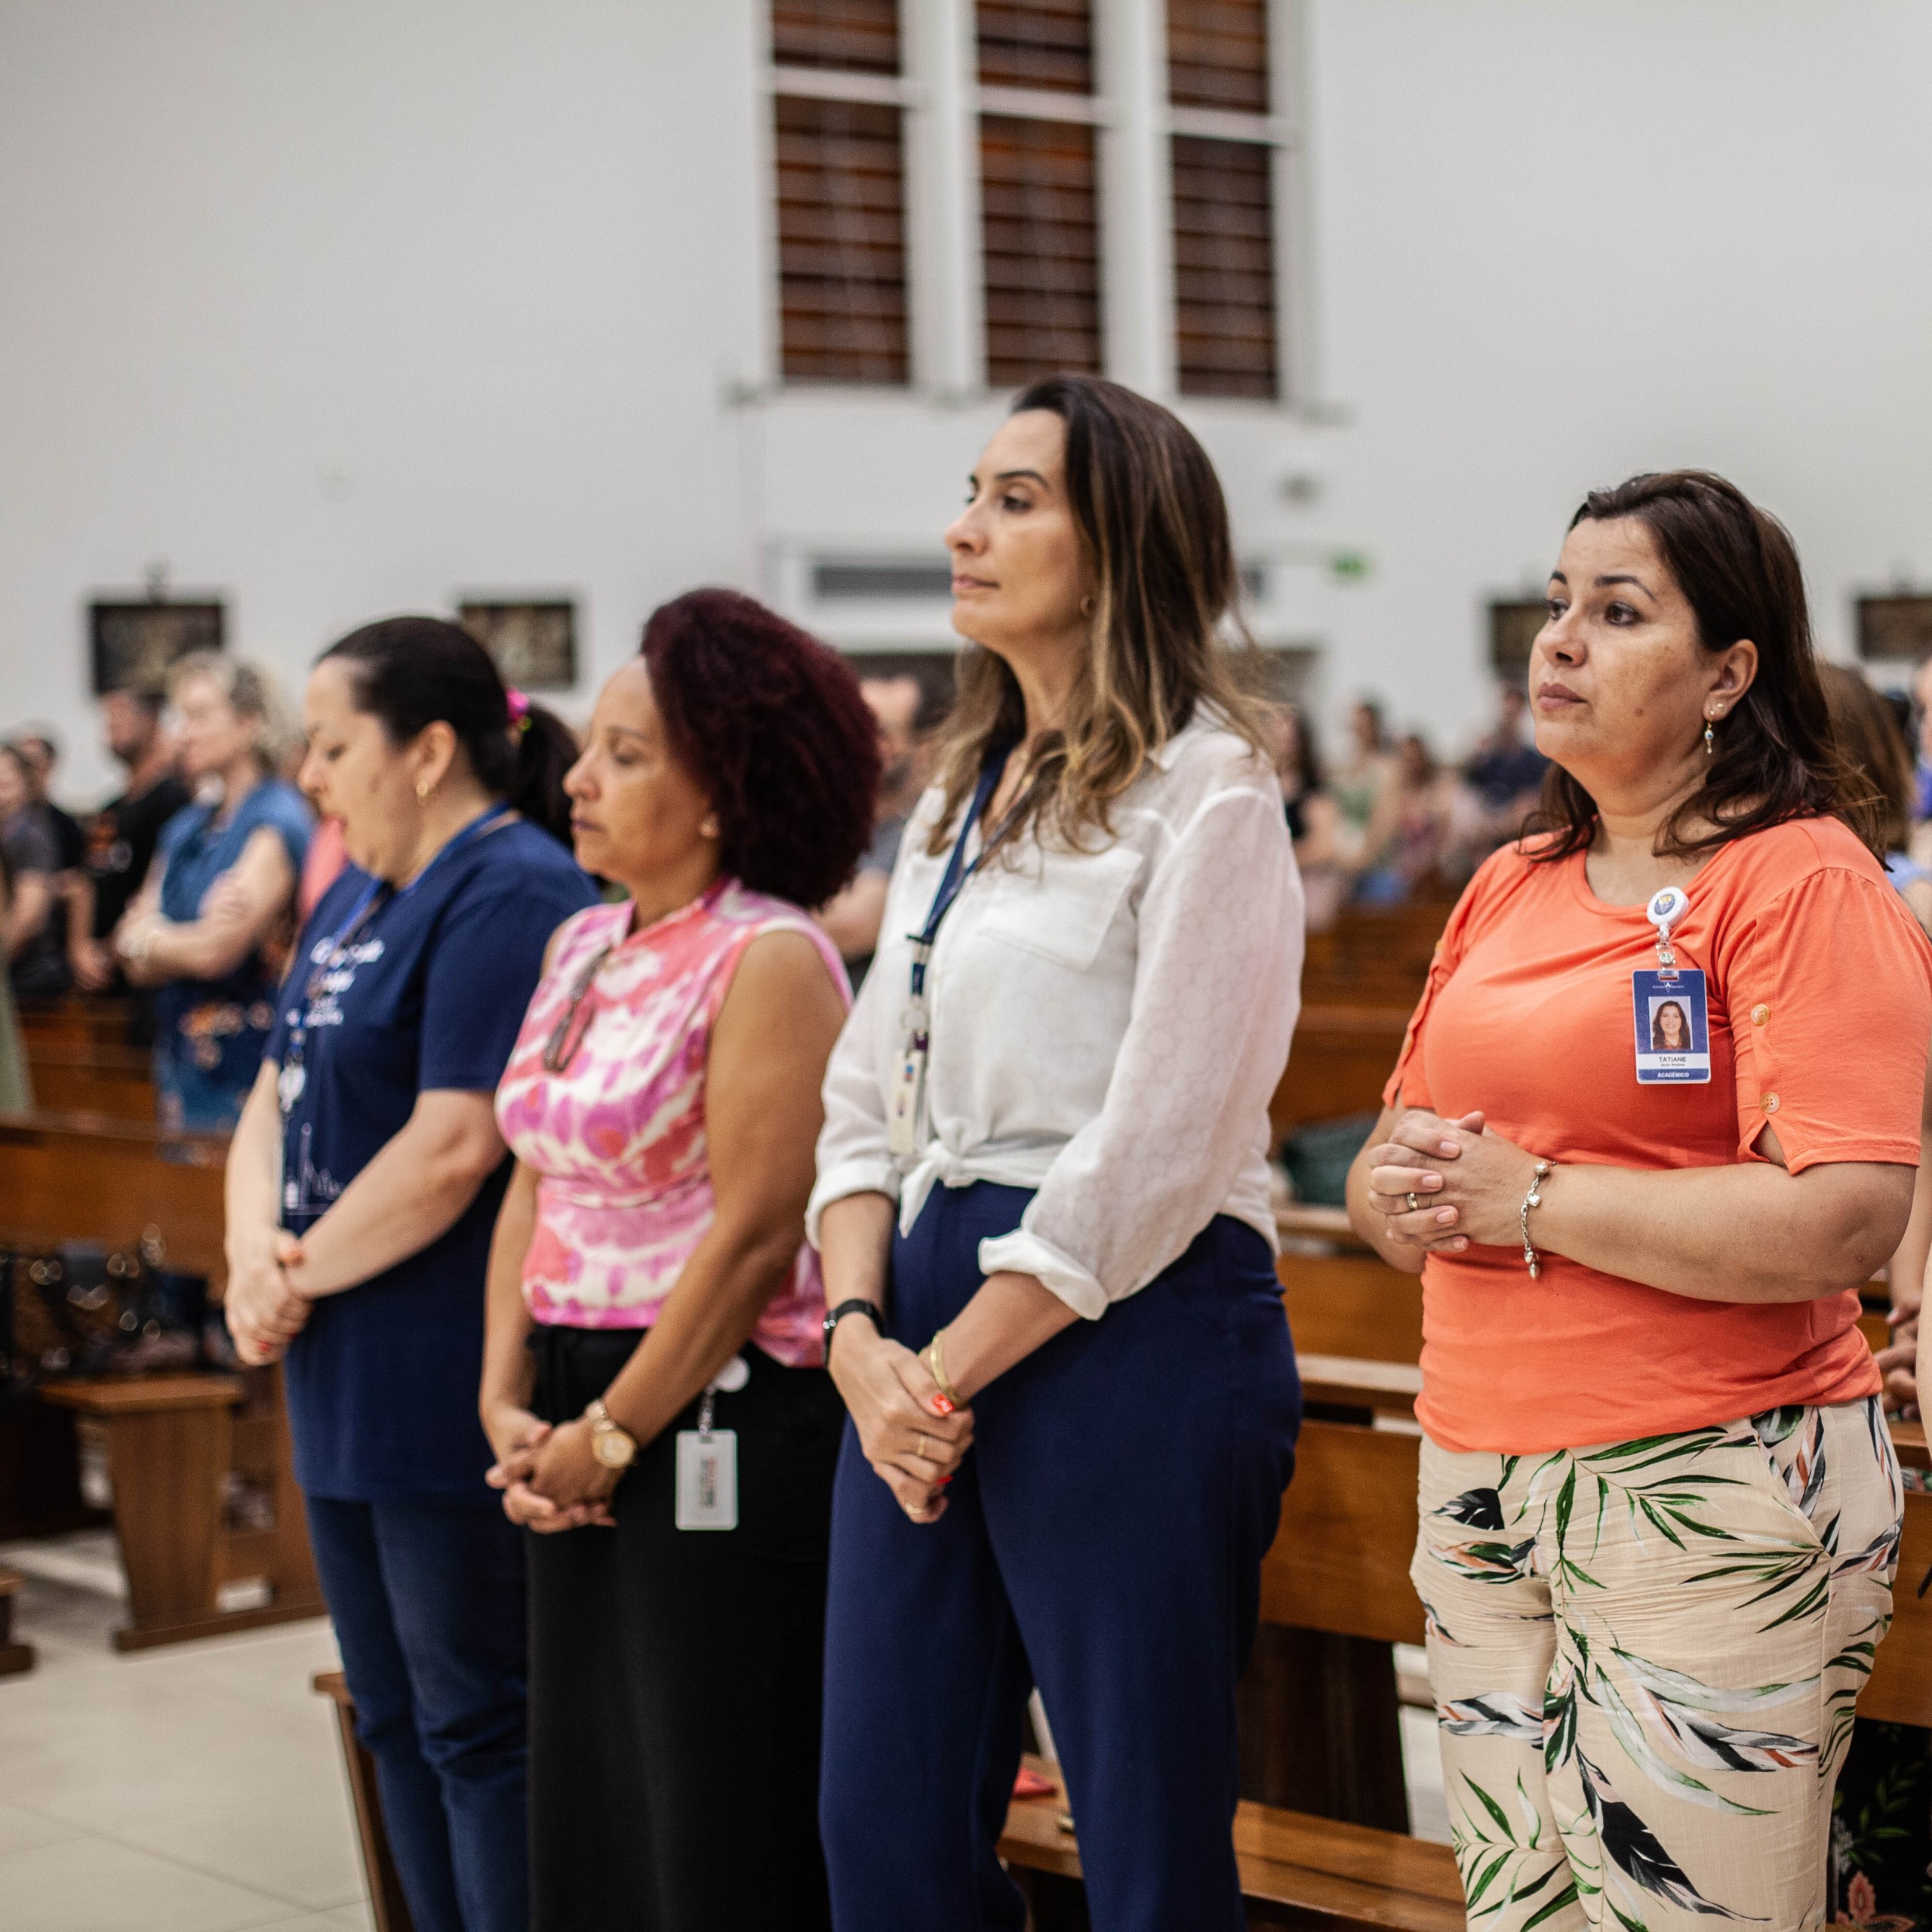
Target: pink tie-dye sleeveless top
617,1138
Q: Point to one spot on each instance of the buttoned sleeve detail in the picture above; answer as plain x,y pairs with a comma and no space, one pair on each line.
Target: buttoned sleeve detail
1836,1067
854,1157
1216,987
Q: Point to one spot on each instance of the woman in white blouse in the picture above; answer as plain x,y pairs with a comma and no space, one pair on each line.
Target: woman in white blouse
1042,1206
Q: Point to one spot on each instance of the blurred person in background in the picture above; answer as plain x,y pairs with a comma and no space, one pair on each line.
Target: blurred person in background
207,951
362,1187
1363,790
41,750
851,919
16,1084
122,836
36,953
1506,770
1314,823
1921,707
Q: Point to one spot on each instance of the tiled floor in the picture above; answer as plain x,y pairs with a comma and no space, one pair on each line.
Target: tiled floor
196,1788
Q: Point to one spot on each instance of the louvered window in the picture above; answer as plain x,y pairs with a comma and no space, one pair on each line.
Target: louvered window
1217,54
1036,44
1223,171
1224,267
841,242
851,36
1040,208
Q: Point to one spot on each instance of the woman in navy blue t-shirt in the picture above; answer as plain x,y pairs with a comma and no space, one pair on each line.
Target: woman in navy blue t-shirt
363,1185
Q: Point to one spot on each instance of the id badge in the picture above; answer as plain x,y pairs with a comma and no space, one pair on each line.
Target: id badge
908,1092
1672,1027
707,1479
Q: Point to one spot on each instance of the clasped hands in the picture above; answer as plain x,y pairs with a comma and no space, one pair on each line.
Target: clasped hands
914,1438
1467,1183
550,1478
264,1310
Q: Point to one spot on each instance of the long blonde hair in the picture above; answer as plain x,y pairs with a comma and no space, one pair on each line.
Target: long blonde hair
1154,525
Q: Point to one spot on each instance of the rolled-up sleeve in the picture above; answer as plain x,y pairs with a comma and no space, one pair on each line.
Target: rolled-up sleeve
1215,995
854,1157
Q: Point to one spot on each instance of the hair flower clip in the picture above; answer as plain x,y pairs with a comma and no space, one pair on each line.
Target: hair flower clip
519,704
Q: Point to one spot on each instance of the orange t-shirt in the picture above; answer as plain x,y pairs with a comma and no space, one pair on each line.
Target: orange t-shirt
1819,990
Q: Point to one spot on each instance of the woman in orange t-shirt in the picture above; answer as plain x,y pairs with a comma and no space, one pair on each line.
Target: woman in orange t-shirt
1659,1509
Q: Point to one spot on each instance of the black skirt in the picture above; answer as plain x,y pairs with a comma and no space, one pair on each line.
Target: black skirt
675,1674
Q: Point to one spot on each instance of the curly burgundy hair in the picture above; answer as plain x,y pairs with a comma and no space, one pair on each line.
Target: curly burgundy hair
772,724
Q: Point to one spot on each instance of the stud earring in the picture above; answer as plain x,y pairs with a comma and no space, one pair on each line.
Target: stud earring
424,788
708,828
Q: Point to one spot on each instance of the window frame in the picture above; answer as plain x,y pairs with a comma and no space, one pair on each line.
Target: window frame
938,94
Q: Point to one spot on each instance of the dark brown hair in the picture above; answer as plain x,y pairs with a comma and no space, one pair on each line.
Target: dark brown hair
409,672
771,724
1775,757
1154,525
1873,742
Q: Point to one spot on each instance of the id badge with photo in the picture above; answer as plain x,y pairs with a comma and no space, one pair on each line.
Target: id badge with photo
1673,1035
707,1479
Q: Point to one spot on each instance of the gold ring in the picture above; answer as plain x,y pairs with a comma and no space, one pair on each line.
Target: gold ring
918,1516
923,1452
1413,1203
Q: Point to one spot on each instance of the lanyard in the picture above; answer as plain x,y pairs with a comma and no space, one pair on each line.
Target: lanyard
374,896
957,871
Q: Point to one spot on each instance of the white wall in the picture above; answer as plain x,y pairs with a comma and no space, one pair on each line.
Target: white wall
342,309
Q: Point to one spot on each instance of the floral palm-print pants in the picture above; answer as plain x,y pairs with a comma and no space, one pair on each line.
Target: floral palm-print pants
1645,1657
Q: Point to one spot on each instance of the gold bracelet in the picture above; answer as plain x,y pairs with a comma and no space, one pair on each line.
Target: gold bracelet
934,1359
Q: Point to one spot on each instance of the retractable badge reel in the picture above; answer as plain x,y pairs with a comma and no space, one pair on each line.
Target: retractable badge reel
1669,1012
708,1459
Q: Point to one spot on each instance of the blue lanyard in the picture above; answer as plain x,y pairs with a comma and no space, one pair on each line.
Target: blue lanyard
957,871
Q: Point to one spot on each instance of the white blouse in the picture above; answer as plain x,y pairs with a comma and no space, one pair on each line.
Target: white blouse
1107,1027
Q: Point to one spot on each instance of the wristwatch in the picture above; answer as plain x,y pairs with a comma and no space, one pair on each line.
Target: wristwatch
858,1305
613,1446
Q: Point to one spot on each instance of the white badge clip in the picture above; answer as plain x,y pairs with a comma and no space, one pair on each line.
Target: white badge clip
1668,905
708,1460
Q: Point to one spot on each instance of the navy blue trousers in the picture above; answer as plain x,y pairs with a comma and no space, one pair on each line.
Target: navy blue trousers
1103,1539
427,1599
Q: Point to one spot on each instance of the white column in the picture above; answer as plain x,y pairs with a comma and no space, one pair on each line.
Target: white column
943,198
1136,197
1296,362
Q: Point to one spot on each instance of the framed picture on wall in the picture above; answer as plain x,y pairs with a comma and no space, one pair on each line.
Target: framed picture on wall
533,640
134,642
1895,628
1513,625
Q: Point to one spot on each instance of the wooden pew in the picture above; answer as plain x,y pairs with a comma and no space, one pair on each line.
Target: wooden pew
387,1904
14,1657
77,1020
1342,1056
116,1081
172,1441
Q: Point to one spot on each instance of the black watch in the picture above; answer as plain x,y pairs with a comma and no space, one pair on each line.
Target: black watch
857,1305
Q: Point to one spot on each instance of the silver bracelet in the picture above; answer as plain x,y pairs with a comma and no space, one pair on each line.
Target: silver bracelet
1532,1260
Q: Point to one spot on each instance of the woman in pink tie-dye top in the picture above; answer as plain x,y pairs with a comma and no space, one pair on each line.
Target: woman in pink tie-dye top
617,1137
652,1363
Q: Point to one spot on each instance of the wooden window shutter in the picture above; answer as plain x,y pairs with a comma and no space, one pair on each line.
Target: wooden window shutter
852,36
1217,54
1224,267
841,242
1040,205
1036,44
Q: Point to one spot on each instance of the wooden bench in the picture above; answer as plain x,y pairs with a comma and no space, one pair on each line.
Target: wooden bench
1295,1870
14,1657
172,1441
386,1903
116,1081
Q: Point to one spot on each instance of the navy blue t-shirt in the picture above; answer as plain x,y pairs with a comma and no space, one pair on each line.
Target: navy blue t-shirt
382,1383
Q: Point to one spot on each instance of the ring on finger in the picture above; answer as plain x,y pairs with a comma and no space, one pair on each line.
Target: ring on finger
1413,1203
924,1451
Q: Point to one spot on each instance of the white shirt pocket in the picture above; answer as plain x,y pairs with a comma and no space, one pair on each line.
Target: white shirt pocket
1060,904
